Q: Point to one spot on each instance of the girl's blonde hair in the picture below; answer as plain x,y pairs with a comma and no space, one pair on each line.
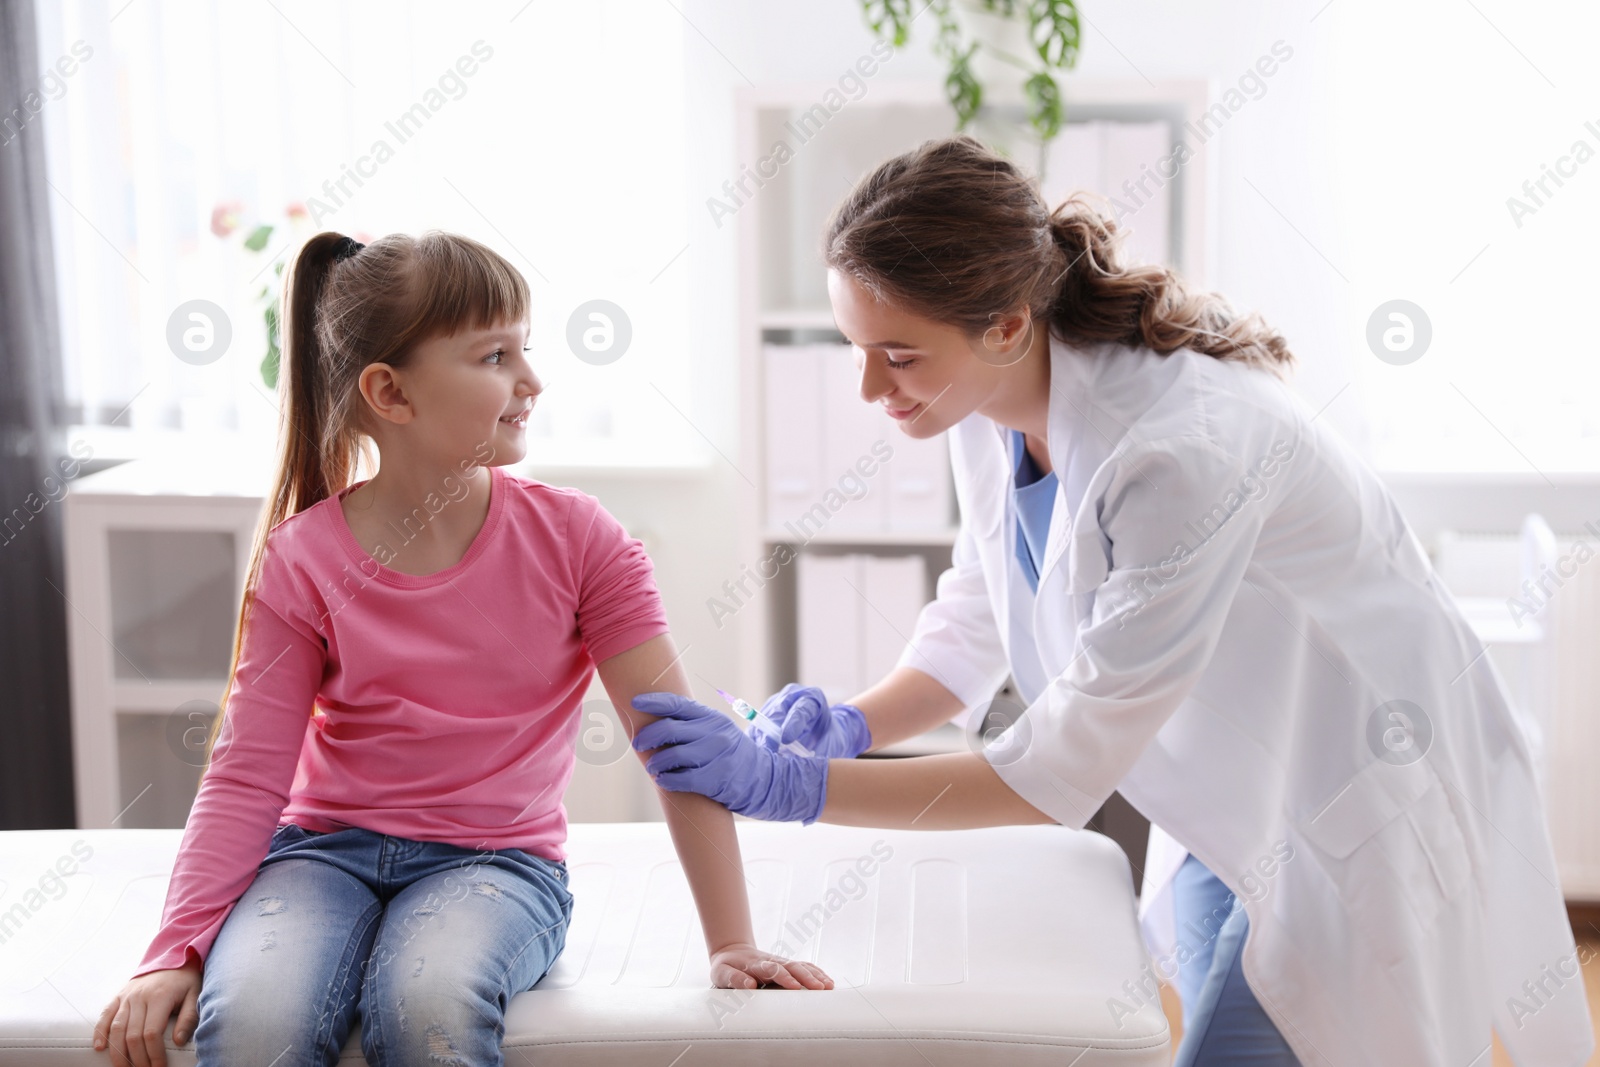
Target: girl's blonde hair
954,232
344,307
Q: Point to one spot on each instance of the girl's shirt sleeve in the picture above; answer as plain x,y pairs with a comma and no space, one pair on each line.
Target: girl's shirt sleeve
618,605
247,785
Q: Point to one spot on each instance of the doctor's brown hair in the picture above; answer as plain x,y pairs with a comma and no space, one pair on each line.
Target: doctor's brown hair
344,308
956,233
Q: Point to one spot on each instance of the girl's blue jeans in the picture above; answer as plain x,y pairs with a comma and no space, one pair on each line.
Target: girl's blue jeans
422,942
1222,1022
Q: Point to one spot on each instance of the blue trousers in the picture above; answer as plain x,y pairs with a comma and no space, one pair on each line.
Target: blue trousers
1222,1022
424,943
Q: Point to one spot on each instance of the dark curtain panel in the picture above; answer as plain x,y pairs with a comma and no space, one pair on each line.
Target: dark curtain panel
35,715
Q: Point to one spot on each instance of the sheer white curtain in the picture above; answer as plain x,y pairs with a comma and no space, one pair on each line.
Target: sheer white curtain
1444,111
553,133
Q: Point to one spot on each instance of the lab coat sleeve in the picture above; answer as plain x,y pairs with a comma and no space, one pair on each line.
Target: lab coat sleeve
956,641
1156,565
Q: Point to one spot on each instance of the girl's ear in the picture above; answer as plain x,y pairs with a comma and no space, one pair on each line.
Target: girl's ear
381,390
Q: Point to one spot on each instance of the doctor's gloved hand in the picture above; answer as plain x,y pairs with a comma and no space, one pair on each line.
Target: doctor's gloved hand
803,714
703,751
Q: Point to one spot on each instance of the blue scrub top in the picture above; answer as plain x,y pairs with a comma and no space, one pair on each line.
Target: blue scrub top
1034,496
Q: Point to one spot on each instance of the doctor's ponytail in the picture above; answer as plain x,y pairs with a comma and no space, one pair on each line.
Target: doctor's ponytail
954,232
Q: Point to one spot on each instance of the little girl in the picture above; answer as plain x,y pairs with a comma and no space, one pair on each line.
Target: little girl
379,831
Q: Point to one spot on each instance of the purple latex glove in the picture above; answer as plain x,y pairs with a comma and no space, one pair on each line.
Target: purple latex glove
803,714
703,751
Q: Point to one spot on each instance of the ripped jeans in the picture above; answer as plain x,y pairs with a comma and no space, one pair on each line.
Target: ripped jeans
424,943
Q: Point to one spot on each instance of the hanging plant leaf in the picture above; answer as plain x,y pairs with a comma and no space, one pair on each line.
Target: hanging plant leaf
258,238
947,45
1054,30
895,13
1044,105
962,89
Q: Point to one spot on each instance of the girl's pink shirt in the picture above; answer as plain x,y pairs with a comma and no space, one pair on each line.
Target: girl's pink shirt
447,705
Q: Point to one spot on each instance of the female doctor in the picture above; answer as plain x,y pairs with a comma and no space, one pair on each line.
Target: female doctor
1207,602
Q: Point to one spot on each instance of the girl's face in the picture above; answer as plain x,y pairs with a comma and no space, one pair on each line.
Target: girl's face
457,393
927,375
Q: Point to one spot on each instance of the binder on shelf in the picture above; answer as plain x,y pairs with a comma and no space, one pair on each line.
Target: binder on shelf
1132,163
826,451
830,639
792,427
857,612
849,433
894,590
1072,162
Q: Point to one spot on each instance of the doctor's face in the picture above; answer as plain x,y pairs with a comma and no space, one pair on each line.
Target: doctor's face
927,375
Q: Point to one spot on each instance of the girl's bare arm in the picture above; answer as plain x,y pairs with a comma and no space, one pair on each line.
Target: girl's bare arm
703,834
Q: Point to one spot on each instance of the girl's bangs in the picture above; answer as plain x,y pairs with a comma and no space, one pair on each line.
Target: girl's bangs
463,285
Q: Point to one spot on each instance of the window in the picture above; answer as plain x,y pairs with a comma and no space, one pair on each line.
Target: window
1443,120
553,133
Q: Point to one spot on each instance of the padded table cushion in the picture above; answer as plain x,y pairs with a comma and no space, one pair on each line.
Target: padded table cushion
1016,945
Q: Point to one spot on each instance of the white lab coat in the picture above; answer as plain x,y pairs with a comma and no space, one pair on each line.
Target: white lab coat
1228,603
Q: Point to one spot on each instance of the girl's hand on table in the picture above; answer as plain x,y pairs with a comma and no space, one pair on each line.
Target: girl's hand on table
745,967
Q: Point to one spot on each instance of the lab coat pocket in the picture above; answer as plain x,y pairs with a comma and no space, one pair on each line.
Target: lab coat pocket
1392,848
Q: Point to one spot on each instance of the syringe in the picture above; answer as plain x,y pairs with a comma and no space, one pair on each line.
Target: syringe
759,723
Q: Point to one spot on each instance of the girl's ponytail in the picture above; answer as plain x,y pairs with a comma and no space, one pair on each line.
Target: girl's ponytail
302,475
310,468
954,232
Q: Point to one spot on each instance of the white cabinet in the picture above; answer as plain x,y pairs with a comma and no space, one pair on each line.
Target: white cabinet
155,562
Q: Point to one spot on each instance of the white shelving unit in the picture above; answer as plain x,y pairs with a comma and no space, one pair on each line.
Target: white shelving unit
783,295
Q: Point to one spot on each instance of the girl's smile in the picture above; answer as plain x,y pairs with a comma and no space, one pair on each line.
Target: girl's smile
454,392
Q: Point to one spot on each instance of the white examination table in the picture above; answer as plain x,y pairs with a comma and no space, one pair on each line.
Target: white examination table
1003,946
